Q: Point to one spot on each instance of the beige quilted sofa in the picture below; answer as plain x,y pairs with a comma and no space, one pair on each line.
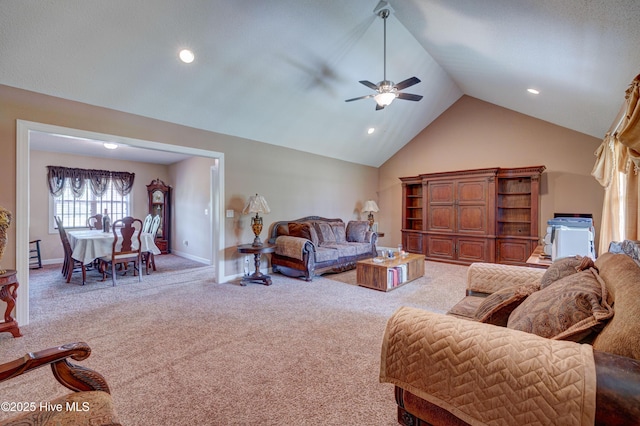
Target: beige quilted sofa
455,370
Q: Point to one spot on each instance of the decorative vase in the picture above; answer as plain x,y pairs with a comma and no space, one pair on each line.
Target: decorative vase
5,221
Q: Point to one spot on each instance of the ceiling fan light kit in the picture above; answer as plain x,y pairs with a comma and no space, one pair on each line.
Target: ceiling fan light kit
386,90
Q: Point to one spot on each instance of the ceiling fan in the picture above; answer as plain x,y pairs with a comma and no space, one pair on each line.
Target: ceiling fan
386,90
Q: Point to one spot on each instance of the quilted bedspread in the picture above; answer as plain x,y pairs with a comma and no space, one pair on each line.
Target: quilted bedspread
489,375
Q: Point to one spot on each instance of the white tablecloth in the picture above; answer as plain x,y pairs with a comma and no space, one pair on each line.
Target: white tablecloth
90,245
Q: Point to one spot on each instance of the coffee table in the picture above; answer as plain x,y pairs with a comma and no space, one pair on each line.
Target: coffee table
386,274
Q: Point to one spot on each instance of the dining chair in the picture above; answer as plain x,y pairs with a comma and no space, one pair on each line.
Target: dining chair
125,232
146,225
35,260
70,265
147,256
95,222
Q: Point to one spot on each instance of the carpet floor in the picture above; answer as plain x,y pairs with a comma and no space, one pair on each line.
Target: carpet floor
180,349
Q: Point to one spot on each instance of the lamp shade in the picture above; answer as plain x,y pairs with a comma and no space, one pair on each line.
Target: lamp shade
370,206
256,204
384,99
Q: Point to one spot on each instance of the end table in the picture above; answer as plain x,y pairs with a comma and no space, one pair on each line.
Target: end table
8,293
257,253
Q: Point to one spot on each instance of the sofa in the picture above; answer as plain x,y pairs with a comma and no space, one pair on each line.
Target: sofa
89,404
524,346
314,245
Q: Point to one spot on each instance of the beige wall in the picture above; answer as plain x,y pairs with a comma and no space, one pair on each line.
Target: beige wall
190,199
476,134
294,183
51,248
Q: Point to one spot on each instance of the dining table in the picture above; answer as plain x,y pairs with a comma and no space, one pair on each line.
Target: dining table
88,245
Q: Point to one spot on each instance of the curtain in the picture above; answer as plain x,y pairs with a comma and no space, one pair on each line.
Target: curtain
616,169
97,180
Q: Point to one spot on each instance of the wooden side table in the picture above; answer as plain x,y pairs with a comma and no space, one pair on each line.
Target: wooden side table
538,258
257,252
8,293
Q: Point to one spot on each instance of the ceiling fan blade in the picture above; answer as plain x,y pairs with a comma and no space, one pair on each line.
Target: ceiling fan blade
409,97
407,83
379,107
361,97
369,84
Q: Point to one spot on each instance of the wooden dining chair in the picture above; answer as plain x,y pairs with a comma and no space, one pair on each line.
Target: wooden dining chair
146,225
95,222
70,265
125,232
147,257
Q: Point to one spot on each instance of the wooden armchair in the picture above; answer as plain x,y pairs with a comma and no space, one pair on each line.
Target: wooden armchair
90,389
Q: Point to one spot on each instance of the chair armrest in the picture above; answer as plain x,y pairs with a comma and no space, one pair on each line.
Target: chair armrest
491,277
618,394
294,247
72,376
480,372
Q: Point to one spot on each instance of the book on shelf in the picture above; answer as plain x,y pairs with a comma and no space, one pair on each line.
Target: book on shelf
396,275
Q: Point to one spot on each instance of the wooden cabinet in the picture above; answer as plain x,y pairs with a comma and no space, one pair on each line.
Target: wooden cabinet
517,215
481,215
160,205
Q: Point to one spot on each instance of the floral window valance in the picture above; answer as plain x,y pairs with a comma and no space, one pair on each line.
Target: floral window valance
96,180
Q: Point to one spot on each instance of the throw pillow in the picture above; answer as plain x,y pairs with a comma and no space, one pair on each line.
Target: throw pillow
325,233
571,309
496,308
339,231
357,231
564,267
303,230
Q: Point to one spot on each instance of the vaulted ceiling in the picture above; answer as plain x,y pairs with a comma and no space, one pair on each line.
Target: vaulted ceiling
279,71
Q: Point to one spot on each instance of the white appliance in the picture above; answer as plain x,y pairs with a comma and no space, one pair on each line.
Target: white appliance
570,236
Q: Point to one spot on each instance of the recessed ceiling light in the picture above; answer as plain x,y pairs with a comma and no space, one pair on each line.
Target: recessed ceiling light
371,130
533,91
110,145
186,56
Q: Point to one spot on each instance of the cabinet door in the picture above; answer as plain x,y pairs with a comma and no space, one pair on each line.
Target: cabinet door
513,251
442,209
472,207
441,247
474,250
412,242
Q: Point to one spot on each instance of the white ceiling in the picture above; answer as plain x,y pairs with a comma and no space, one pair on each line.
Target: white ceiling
279,71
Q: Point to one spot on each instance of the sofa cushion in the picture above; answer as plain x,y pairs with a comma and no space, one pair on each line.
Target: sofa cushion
324,254
325,232
339,231
571,308
303,230
496,308
357,231
564,267
622,333
344,250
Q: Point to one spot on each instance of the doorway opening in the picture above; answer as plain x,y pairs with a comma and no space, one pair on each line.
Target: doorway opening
23,147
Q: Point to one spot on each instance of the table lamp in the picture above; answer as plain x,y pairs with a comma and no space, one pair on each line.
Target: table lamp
256,204
370,206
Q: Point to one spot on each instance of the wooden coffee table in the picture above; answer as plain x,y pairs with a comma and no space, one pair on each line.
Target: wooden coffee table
386,274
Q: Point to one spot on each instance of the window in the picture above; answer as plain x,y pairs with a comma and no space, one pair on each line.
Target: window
75,211
77,194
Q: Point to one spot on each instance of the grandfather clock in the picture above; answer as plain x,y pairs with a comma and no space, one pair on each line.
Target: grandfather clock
160,205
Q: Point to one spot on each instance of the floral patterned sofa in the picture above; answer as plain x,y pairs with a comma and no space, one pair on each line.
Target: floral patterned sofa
524,346
315,245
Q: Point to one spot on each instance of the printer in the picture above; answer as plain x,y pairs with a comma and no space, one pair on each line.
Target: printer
569,236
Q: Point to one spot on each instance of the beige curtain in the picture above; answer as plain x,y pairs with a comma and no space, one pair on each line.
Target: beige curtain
616,169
